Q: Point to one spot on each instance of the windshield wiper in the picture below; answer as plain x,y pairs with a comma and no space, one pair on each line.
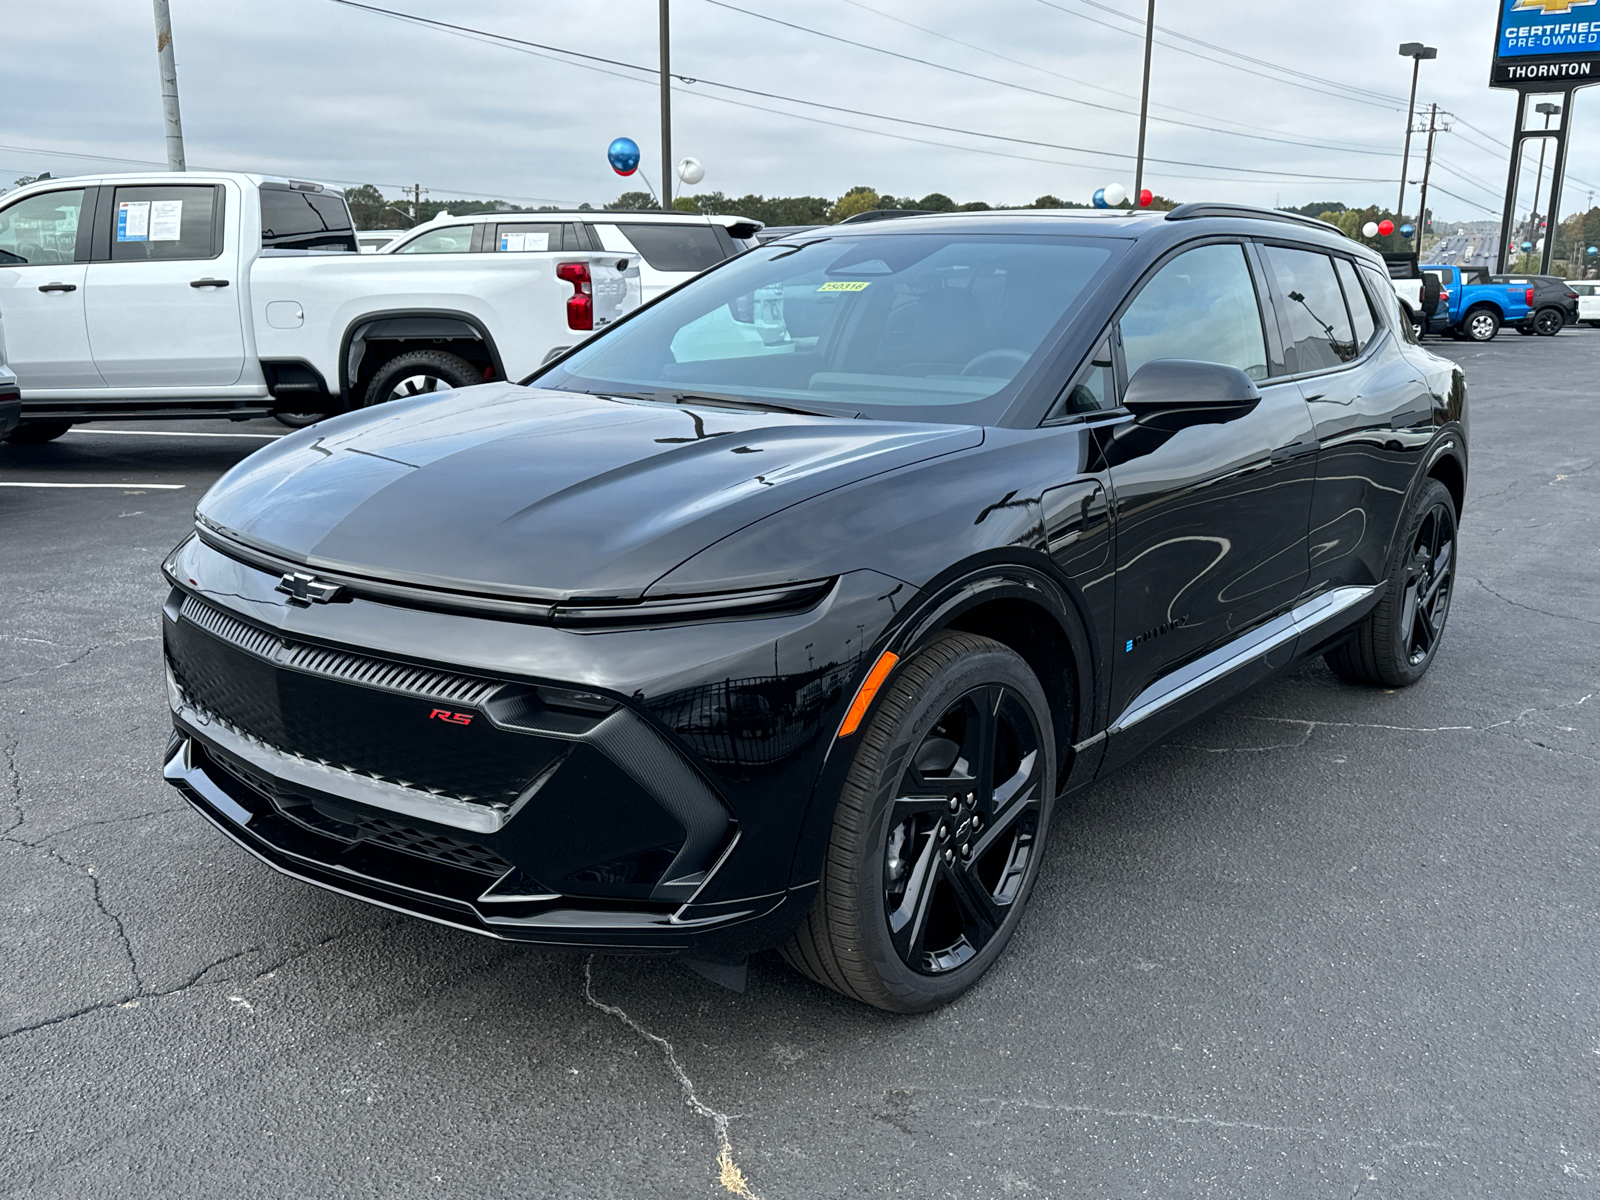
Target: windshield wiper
747,402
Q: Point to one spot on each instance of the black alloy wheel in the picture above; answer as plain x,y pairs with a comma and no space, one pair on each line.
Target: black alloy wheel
1397,642
36,433
418,373
1548,322
939,831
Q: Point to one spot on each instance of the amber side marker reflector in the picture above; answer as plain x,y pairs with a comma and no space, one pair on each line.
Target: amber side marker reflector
869,689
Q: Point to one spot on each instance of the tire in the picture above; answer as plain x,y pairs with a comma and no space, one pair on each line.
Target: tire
896,851
1548,322
1481,325
1526,330
417,372
1397,641
298,420
36,433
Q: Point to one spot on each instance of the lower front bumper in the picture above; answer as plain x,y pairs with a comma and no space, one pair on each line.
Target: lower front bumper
459,898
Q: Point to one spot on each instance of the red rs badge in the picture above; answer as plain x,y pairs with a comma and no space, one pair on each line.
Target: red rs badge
454,718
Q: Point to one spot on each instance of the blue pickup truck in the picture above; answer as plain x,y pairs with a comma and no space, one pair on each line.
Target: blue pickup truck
1472,306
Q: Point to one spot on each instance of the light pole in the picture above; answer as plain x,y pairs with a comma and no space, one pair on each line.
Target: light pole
1144,102
1546,110
666,112
1416,52
169,87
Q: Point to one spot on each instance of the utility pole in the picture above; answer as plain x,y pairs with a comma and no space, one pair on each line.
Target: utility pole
1416,52
1427,169
416,203
169,87
1144,100
666,110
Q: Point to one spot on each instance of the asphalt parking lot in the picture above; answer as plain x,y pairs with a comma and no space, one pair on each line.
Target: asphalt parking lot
1333,942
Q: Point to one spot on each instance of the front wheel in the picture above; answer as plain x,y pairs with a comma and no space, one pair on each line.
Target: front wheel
1396,643
940,826
1548,322
1481,325
419,372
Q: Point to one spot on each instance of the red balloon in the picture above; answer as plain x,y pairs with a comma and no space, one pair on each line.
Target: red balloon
1385,228
1145,197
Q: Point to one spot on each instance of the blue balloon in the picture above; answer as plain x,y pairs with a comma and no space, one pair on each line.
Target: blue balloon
1593,250
623,155
1407,230
1100,199
1526,246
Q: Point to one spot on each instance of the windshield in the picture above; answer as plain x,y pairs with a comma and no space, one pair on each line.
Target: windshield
930,327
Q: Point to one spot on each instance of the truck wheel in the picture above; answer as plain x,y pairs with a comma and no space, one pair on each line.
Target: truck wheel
36,433
298,420
1548,322
418,372
1481,325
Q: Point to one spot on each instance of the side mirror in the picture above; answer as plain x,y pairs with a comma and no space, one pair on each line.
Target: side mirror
1174,393
743,309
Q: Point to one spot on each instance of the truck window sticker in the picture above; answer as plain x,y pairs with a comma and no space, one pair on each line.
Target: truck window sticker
133,221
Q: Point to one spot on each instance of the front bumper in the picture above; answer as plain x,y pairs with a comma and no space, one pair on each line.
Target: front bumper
458,896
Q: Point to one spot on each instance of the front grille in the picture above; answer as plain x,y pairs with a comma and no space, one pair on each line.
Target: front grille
436,846
423,682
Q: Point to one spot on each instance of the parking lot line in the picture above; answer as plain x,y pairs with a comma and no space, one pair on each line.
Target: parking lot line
138,487
173,433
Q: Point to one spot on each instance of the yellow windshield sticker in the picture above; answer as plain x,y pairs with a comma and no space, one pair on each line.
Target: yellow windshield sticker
841,286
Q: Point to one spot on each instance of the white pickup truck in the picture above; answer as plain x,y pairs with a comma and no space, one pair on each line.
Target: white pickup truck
215,294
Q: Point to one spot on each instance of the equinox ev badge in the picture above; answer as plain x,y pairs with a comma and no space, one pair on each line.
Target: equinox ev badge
306,590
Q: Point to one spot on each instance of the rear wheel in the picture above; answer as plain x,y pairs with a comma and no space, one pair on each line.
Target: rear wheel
1481,325
1396,643
36,433
937,838
1548,322
419,372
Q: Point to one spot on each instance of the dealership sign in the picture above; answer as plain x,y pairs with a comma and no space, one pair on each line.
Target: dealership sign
1547,40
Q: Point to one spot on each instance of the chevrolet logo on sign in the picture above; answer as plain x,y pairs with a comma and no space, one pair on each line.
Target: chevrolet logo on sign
306,590
1553,6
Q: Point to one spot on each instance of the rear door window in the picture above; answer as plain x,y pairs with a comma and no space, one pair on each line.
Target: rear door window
161,224
40,229
1317,329
1203,306
1362,318
532,237
294,219
676,247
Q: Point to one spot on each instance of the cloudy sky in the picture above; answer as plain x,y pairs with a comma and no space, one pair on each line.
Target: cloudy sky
321,90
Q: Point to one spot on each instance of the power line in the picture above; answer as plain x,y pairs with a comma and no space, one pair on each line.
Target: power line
462,193
1260,62
521,43
1222,62
1022,87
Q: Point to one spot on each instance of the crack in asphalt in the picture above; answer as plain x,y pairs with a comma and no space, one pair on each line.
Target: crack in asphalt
1545,612
730,1176
79,657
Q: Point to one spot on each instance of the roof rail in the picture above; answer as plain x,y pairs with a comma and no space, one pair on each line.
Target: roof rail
1190,212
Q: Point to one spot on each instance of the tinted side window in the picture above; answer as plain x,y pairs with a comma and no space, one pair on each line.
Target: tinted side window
1202,305
1355,297
40,229
676,247
1317,327
150,224
298,220
452,239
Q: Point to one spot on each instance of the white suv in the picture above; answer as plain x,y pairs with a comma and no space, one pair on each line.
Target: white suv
671,247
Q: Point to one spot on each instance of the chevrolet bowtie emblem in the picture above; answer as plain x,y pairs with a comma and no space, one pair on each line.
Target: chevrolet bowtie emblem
1552,6
306,590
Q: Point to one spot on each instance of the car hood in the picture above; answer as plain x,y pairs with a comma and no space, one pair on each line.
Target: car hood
551,495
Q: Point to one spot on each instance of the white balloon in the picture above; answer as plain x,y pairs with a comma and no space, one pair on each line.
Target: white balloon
691,171
1115,194
1539,245
1370,229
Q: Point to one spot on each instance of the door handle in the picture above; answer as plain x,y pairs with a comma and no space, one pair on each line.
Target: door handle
198,283
58,287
